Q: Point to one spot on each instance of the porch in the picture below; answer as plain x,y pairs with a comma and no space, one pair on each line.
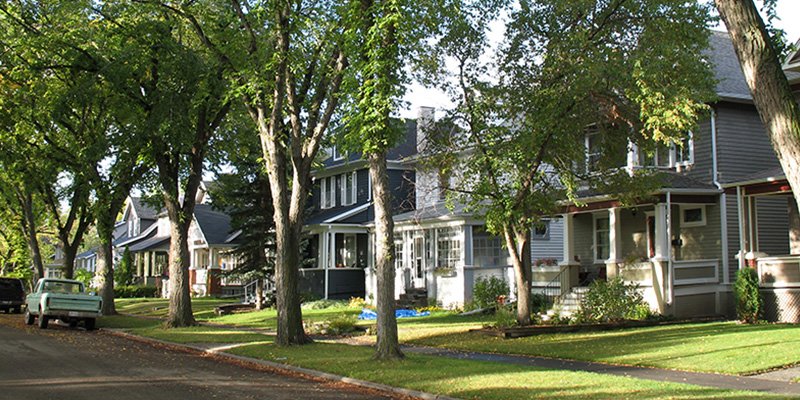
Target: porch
671,248
769,241
335,260
205,267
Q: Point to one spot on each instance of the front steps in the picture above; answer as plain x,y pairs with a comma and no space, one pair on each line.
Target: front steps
412,298
568,304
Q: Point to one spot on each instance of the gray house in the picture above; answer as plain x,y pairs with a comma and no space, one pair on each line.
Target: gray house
683,245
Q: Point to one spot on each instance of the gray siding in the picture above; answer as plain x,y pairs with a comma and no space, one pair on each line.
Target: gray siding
700,242
701,136
773,225
553,245
743,147
584,242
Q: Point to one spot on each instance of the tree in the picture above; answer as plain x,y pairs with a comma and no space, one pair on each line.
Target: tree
123,274
514,145
769,88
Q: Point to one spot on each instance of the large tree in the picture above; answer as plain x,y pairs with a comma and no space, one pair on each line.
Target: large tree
631,70
768,85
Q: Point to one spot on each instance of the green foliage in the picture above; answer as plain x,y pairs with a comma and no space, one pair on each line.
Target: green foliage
612,301
486,291
539,302
131,291
123,273
504,317
84,276
749,304
339,324
324,304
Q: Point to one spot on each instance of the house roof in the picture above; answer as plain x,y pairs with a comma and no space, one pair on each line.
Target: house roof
436,211
216,225
156,242
766,175
87,254
731,84
341,214
143,210
670,181
793,62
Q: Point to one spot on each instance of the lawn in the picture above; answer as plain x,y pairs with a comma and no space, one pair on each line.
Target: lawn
721,347
459,378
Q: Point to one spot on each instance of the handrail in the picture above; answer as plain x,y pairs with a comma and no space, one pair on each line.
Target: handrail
552,291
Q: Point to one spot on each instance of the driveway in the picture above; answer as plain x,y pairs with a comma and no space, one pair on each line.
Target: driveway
71,364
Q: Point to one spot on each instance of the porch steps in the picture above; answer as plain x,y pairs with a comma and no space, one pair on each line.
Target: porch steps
413,298
569,304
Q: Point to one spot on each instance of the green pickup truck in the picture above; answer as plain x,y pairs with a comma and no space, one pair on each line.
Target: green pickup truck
62,299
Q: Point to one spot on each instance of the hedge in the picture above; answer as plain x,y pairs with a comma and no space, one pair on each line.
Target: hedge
127,291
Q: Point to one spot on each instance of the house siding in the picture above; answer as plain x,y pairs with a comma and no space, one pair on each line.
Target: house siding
702,167
552,246
773,225
700,242
740,132
583,244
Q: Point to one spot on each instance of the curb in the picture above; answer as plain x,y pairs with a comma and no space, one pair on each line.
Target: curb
281,367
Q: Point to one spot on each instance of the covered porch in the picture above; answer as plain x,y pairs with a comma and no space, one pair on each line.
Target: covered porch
769,241
150,260
669,245
335,259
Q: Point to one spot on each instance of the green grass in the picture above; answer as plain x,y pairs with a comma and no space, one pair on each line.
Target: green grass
722,347
459,378
203,307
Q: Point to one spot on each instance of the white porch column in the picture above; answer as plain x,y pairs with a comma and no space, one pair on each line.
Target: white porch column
742,225
662,238
569,252
661,258
614,242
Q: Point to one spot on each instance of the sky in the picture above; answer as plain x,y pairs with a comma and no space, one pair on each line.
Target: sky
418,96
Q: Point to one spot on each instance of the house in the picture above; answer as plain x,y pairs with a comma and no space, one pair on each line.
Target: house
339,249
683,244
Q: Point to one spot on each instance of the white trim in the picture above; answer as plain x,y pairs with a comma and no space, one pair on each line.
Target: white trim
347,214
327,200
139,237
714,263
595,217
343,187
334,154
692,224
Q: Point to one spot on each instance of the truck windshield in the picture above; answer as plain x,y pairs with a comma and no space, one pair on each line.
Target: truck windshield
62,287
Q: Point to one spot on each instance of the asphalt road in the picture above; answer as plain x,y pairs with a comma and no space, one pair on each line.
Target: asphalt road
62,363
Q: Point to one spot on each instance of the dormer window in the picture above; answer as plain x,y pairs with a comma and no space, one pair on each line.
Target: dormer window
348,188
337,154
327,190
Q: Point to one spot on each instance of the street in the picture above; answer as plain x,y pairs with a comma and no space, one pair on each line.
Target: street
63,363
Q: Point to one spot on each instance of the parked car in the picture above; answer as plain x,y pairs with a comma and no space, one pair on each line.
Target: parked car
12,295
62,299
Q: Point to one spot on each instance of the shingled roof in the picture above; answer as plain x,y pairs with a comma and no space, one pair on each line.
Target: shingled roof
216,225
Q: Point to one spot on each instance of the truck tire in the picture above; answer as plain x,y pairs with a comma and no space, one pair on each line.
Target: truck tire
29,318
43,320
73,323
89,324
17,309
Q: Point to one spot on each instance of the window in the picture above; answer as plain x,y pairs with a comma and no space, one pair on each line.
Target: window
347,254
449,247
601,238
541,231
592,150
398,252
684,150
488,249
327,190
337,155
693,216
348,182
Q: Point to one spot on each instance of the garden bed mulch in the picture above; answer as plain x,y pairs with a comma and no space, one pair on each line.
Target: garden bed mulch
532,330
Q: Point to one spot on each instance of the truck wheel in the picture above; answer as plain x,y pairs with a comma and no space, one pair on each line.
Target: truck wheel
17,309
29,318
43,320
73,323
89,323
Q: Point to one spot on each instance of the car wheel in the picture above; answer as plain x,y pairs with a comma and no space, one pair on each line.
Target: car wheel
89,323
43,320
73,323
29,318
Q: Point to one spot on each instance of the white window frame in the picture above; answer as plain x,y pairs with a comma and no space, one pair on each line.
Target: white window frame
351,191
336,155
595,245
677,150
588,161
349,254
327,191
448,256
545,235
690,224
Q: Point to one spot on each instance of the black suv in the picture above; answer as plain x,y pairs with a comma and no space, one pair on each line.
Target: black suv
12,295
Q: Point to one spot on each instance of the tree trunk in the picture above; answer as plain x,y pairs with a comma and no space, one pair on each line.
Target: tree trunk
768,85
69,260
388,346
30,233
260,294
518,245
180,302
287,299
105,261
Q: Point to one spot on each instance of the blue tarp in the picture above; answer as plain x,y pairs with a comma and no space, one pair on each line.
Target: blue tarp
367,314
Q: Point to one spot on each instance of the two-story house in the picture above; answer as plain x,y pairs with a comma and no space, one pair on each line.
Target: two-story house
682,245
339,250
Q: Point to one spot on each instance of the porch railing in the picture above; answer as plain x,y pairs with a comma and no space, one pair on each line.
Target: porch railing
250,290
552,290
779,271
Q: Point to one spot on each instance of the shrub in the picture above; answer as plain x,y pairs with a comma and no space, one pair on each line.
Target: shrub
128,291
336,325
123,273
539,302
357,302
84,276
487,290
748,300
323,304
504,317
612,301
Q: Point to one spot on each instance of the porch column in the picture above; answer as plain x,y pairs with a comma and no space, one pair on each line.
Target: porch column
322,248
661,259
614,242
569,267
740,211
